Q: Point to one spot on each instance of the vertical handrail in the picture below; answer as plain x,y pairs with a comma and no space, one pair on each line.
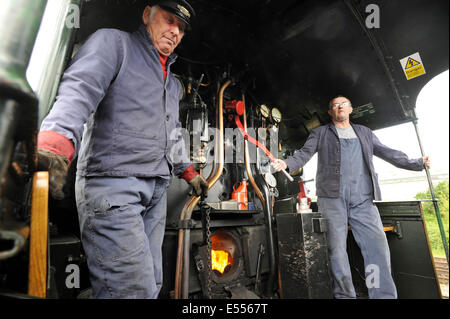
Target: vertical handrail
433,195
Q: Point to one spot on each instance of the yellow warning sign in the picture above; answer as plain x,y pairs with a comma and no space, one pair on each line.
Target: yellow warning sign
412,66
411,62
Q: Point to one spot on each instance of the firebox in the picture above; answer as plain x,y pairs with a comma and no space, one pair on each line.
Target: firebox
227,264
226,256
239,266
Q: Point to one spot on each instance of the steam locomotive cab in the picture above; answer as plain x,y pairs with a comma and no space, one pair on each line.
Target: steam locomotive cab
256,77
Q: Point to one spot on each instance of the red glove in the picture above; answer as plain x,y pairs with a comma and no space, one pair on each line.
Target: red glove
56,143
196,180
55,153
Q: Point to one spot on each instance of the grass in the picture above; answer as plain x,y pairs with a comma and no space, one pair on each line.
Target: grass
434,235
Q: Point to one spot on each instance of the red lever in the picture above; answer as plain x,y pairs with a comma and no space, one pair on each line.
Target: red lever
252,140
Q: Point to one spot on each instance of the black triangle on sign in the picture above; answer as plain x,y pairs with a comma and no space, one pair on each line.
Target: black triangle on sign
410,63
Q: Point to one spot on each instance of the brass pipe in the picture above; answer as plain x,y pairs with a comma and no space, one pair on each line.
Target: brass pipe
179,264
182,266
247,160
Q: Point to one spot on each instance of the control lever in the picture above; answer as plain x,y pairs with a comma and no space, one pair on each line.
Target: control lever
289,177
261,146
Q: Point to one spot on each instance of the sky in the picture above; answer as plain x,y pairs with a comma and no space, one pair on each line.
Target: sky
433,121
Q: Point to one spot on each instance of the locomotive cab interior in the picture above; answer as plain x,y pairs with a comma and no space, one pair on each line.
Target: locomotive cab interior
284,60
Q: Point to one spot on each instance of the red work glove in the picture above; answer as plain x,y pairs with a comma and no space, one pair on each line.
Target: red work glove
196,180
55,153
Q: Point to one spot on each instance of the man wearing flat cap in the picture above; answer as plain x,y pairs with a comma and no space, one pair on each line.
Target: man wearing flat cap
117,109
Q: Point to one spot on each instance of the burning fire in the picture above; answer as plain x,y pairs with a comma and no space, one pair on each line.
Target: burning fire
220,259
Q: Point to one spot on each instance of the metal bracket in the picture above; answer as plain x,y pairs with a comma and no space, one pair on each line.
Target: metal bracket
395,228
398,230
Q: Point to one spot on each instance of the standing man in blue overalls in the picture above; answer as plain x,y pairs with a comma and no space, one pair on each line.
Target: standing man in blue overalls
120,85
346,186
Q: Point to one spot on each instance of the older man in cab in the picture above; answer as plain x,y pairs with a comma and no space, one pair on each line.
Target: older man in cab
120,87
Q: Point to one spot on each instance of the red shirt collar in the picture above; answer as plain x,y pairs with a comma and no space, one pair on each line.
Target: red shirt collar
163,60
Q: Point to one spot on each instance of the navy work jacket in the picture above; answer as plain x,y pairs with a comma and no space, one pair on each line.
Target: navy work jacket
115,85
325,141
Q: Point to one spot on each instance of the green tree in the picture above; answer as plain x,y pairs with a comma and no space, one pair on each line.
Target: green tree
441,191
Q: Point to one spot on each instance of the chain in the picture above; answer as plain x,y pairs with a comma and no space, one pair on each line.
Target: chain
209,243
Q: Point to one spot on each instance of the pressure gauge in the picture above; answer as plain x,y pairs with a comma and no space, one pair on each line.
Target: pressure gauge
276,115
265,112
270,180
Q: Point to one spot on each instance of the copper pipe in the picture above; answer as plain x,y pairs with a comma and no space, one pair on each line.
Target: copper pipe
247,160
182,267
179,264
221,159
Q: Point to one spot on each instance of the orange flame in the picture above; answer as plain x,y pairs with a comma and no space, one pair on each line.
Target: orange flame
220,259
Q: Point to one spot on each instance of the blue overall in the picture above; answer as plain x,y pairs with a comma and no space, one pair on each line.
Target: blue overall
122,116
122,222
355,207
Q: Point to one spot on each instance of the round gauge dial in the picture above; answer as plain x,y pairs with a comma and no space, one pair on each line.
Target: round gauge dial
276,115
270,180
265,112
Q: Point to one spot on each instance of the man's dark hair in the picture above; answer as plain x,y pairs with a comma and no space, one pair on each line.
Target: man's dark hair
329,103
